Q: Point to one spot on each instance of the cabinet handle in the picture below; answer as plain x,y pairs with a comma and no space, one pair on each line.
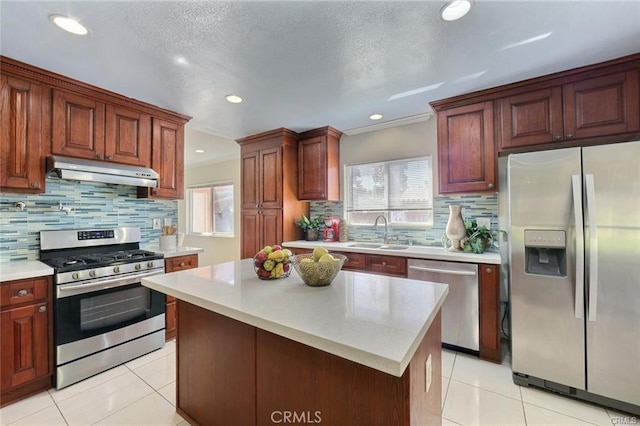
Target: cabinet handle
490,185
22,293
154,192
35,184
488,270
384,263
569,135
109,157
558,137
99,156
42,309
257,206
181,264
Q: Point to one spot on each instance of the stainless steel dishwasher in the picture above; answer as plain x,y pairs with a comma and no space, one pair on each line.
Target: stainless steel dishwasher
460,318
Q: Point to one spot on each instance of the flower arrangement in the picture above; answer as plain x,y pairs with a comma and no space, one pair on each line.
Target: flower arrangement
478,238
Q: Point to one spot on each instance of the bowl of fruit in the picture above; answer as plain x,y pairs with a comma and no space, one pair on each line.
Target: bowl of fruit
272,263
319,268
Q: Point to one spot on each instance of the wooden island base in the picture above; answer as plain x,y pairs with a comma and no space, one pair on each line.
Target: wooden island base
231,373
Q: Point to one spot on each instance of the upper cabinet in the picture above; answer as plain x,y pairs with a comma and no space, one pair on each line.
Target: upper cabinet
45,113
590,105
21,139
590,108
319,165
167,150
466,153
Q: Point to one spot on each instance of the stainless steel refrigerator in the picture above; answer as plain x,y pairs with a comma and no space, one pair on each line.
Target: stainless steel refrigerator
574,266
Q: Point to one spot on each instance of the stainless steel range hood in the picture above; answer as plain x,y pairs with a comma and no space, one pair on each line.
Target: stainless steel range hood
100,171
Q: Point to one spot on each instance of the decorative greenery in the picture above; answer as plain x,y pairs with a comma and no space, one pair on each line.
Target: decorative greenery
305,223
478,237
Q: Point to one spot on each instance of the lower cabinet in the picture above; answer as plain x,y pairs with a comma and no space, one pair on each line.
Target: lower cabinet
175,264
26,338
489,300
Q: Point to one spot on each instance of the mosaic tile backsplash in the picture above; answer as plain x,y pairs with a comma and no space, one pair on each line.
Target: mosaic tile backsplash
473,206
93,205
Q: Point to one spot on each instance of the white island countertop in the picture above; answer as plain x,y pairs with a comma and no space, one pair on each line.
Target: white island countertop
414,252
374,320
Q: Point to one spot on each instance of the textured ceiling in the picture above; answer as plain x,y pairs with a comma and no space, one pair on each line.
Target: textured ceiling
303,65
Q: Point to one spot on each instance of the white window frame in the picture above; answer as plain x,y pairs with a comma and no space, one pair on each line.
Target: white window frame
387,212
189,209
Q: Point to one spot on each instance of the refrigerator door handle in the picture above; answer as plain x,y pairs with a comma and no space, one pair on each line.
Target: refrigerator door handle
576,183
593,246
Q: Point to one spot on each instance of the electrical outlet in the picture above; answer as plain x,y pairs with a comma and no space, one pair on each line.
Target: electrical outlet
167,221
156,223
484,221
428,373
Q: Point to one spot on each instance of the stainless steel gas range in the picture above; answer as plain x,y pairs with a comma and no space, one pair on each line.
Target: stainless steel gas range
103,316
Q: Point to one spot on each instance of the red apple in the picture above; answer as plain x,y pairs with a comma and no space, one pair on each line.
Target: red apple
276,247
261,257
263,273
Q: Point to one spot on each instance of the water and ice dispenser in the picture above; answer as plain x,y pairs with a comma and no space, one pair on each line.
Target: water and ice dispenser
545,252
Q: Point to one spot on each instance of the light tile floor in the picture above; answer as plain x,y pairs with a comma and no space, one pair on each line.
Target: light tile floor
142,392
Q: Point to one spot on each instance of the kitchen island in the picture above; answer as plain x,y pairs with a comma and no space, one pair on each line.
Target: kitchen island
363,351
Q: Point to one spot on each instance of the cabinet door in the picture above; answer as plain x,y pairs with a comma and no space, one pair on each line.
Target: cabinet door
489,295
170,319
250,223
78,126
386,265
24,344
312,168
127,136
466,153
20,135
181,263
602,106
270,227
167,159
270,172
531,118
250,180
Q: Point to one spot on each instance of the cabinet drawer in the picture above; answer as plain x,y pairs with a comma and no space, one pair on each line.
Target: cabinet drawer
24,291
387,265
180,263
355,261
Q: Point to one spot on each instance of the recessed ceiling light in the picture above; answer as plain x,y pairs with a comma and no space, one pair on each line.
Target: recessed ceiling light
181,60
200,151
233,99
455,9
68,24
375,116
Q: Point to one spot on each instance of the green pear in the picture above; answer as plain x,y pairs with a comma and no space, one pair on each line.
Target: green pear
318,252
326,258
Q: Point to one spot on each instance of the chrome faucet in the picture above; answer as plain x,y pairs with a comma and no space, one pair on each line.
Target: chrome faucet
375,227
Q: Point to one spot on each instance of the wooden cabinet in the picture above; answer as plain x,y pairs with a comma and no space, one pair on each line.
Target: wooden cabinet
77,126
386,265
585,109
127,136
269,178
167,158
26,339
489,300
466,153
21,160
319,164
174,264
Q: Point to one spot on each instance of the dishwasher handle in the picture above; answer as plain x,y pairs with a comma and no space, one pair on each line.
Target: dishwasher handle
443,271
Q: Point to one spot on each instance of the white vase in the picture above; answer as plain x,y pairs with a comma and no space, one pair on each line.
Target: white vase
455,230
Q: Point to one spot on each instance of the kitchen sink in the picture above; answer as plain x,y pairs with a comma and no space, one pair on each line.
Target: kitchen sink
394,247
365,245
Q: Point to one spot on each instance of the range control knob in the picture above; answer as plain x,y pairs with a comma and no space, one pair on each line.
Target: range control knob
92,273
138,266
75,275
149,264
116,269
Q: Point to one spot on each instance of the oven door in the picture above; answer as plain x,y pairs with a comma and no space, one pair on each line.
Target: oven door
85,315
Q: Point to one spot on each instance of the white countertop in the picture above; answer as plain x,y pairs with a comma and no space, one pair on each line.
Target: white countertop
415,252
23,269
374,320
178,251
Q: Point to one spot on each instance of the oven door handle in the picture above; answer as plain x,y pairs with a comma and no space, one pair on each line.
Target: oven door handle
66,290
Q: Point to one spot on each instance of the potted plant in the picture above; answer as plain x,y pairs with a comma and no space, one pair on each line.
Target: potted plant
478,238
310,227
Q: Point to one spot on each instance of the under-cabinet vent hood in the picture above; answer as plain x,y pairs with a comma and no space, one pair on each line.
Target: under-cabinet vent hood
100,171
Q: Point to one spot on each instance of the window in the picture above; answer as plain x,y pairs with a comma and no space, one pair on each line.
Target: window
210,209
401,190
